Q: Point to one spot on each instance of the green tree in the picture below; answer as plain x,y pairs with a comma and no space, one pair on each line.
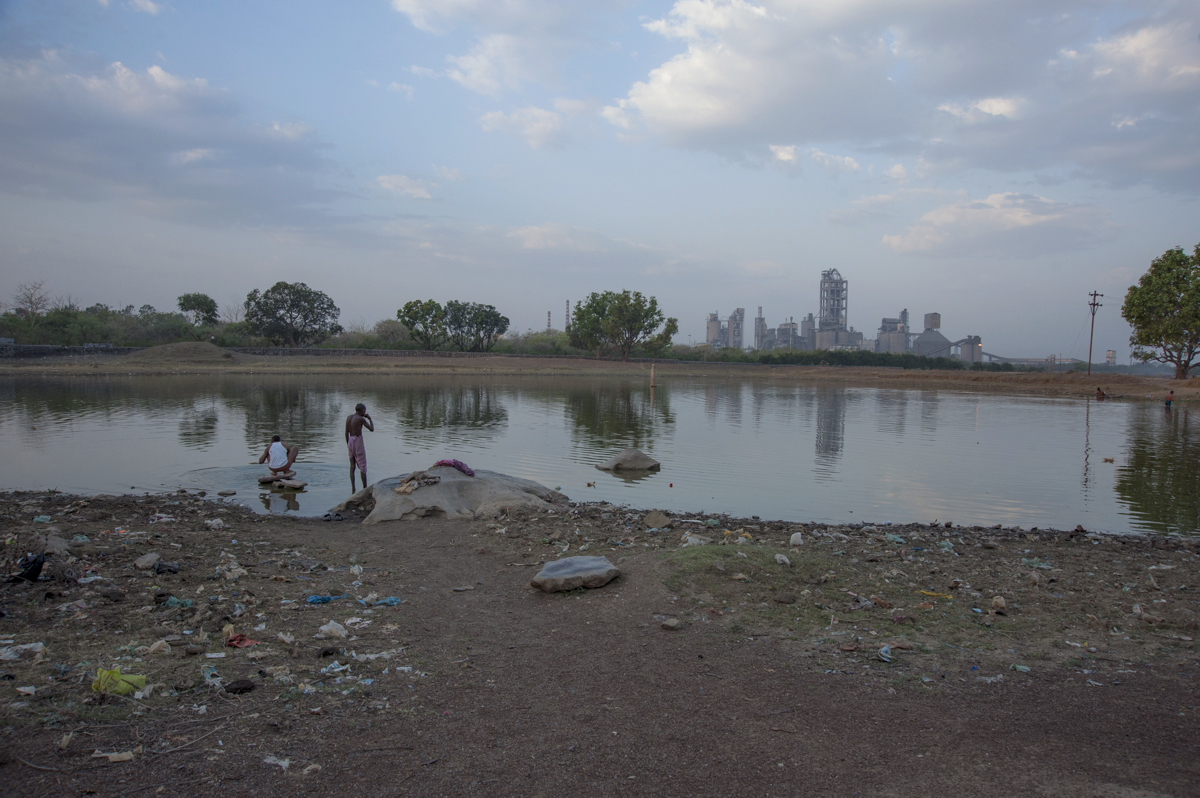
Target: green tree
426,322
292,314
198,308
474,327
621,322
1164,311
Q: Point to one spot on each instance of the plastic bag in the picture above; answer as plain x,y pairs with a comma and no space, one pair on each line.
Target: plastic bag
117,683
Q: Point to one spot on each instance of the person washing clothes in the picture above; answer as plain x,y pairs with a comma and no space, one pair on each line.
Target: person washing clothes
279,457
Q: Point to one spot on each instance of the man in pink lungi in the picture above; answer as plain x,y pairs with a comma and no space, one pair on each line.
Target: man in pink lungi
354,442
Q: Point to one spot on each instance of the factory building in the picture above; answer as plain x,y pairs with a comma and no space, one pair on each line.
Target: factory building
932,343
893,334
728,333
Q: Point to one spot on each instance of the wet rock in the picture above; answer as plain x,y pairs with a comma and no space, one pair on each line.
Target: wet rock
630,460
227,493
570,573
146,561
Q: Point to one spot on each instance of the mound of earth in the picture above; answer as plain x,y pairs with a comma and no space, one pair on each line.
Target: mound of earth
456,495
187,352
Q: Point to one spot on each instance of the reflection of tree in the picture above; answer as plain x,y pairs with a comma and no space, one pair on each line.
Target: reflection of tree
198,427
831,428
300,414
1160,482
609,415
427,413
892,407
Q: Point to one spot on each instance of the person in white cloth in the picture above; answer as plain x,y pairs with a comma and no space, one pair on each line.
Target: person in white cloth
279,456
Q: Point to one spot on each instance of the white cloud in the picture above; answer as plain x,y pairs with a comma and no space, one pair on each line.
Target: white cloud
538,126
291,131
784,153
1006,224
992,84
446,173
403,88
144,6
417,189
897,172
560,237
424,72
191,156
834,163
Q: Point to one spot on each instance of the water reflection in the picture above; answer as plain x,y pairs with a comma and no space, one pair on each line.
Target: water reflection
618,415
1160,480
428,413
831,431
198,426
301,414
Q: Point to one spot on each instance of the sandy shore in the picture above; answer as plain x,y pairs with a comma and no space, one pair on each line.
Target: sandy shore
200,358
1083,683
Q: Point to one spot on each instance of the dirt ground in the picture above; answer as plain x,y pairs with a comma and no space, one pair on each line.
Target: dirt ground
205,358
774,683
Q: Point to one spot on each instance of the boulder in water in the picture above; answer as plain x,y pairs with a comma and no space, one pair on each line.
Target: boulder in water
630,460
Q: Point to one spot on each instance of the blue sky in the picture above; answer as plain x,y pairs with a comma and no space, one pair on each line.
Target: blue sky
992,161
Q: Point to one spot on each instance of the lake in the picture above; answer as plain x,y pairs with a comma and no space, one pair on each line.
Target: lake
790,451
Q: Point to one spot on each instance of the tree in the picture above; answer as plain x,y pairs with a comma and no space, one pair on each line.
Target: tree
474,327
390,331
292,314
198,308
426,321
31,301
1164,311
620,322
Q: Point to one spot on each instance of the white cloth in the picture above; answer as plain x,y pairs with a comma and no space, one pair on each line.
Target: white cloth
277,455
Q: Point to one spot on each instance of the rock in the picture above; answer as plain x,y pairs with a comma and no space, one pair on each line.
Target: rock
784,598
456,495
146,561
239,687
797,539
573,572
52,545
782,560
214,524
291,484
672,624
164,567
227,493
998,603
1034,579
630,460
657,520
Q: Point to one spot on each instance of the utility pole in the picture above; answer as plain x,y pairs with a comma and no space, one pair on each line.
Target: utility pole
1093,305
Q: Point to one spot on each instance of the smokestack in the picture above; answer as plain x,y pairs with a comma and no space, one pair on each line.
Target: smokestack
547,320
568,316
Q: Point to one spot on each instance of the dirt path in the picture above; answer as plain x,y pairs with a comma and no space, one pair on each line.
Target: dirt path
499,689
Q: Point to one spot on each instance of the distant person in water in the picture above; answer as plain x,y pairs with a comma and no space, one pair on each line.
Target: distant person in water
1100,394
354,441
1170,398
279,457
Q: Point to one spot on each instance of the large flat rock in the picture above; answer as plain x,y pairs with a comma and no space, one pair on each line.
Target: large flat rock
574,572
484,495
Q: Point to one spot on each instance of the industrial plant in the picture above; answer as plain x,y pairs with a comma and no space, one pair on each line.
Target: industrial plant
830,330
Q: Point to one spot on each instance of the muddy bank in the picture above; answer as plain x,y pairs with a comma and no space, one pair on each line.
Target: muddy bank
471,682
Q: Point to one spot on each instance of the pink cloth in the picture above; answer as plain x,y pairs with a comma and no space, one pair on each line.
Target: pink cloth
459,464
358,451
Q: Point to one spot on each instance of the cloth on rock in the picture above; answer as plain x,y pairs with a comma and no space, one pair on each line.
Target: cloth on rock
414,481
459,464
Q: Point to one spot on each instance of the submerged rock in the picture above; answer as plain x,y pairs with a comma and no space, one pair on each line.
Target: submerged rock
630,460
572,572
455,495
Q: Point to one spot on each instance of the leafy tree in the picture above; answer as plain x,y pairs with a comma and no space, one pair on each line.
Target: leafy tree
199,308
292,314
621,322
1164,311
474,327
426,322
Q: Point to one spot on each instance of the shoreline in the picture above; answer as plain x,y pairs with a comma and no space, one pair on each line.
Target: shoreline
206,360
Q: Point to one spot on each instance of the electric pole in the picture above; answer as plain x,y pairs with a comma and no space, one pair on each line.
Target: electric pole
1093,305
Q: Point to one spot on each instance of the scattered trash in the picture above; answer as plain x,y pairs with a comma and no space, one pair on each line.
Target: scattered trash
1036,563
122,756
322,599
885,653
164,567
782,560
274,760
1019,668
161,518
214,524
797,539
29,691
177,603
32,651
313,768
285,638
240,641
332,629
356,570
31,566
695,540
890,538
117,683
161,647
945,545
81,539
390,601
991,679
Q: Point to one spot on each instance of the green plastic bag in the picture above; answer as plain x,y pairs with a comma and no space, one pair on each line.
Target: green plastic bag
114,682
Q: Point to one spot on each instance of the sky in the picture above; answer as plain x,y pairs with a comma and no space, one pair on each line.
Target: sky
991,160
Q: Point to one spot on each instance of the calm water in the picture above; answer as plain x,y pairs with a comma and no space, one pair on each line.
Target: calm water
790,451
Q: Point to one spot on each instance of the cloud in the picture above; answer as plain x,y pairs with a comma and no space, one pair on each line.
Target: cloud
834,163
560,237
1003,224
403,88
896,172
424,72
417,189
538,126
446,173
992,84
159,143
144,6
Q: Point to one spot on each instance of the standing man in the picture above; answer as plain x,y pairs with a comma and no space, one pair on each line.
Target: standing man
354,441
1170,398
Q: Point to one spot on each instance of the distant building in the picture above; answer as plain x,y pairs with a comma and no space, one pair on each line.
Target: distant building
760,331
893,334
736,322
1110,357
835,298
720,334
932,343
714,332
970,349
